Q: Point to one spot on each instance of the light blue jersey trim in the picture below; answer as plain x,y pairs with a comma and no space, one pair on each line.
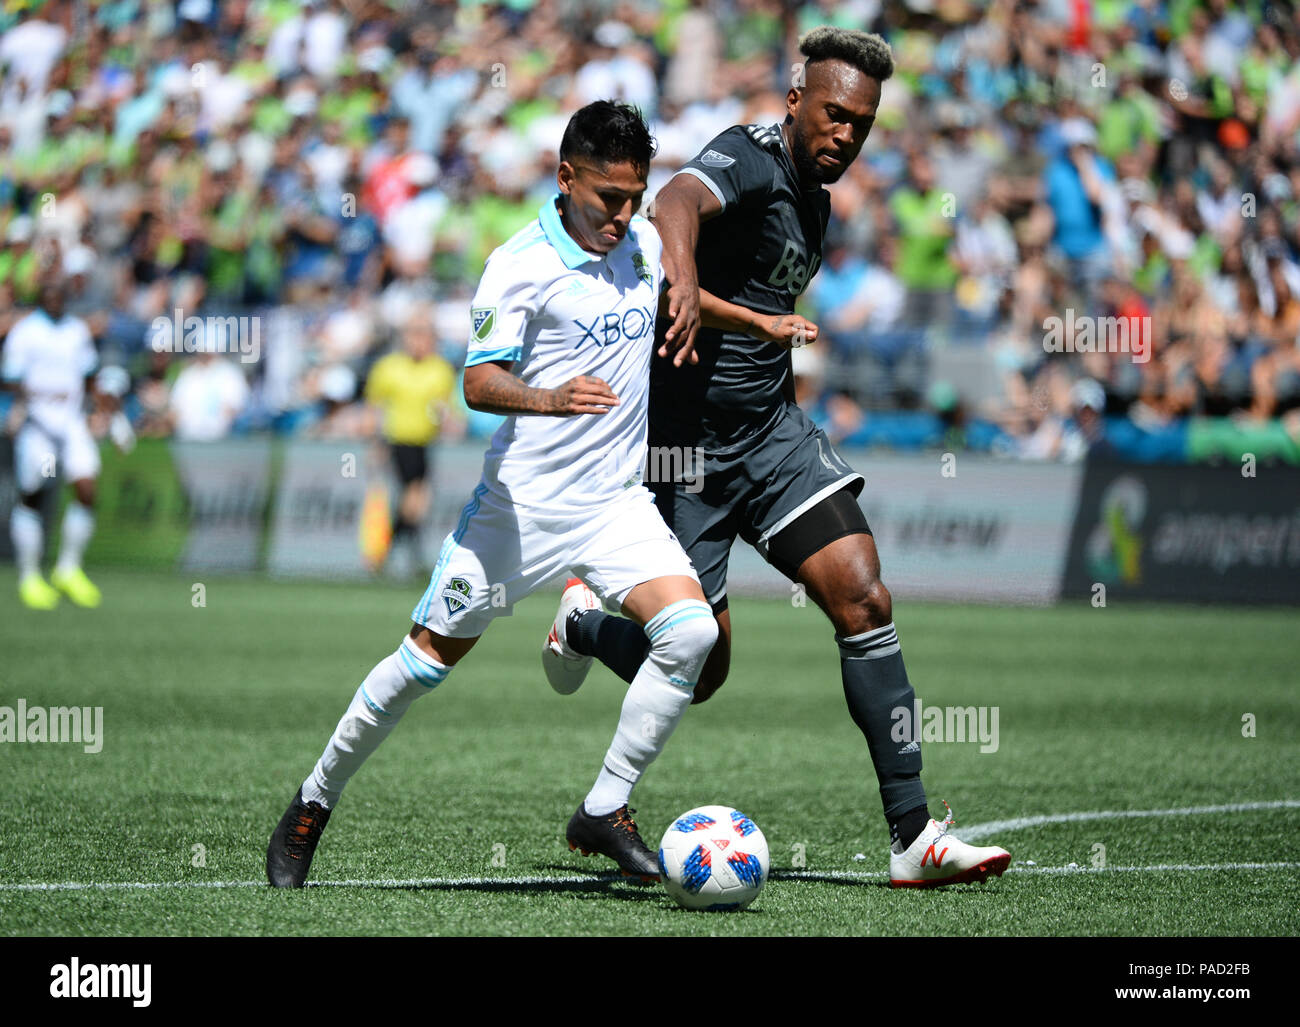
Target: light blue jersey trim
573,255
448,547
422,607
529,236
511,353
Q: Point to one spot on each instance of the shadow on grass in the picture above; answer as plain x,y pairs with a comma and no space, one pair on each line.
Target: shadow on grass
604,882
804,877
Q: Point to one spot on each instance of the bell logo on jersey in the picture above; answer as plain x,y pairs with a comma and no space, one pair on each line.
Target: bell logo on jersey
456,595
792,274
615,327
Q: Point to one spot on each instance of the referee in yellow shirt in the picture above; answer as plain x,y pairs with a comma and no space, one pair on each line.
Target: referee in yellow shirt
412,388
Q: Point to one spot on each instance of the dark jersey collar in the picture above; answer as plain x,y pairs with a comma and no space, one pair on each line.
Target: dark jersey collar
785,158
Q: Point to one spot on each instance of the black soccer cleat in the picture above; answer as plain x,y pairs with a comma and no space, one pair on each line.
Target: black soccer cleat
613,835
288,857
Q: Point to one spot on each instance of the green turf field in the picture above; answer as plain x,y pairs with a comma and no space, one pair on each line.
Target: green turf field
213,715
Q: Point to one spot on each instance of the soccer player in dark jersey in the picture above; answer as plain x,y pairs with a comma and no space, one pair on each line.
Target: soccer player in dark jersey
742,226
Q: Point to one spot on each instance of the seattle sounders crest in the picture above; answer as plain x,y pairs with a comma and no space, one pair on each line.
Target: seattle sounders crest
456,595
642,267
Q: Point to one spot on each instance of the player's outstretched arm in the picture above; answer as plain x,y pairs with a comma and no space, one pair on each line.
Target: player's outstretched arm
490,388
679,209
787,330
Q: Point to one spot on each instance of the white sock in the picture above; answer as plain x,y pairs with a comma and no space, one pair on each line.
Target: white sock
388,691
681,636
78,526
28,536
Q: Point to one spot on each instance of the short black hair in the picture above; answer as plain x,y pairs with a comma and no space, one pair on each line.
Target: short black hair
866,51
607,132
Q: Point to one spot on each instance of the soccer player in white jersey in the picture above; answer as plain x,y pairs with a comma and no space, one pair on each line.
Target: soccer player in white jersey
48,357
563,326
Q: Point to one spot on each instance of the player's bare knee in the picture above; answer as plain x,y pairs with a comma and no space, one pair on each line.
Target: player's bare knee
864,609
877,606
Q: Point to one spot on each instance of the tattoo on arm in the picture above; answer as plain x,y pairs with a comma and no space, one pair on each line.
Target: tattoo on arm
500,392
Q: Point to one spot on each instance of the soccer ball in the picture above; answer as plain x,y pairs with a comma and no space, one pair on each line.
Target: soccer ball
713,858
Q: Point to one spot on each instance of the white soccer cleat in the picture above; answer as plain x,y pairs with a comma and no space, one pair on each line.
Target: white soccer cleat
565,669
936,859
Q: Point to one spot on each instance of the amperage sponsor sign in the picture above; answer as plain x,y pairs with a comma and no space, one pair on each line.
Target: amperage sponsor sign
1205,534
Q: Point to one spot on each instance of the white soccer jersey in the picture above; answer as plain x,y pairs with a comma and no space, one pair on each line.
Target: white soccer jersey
51,360
557,312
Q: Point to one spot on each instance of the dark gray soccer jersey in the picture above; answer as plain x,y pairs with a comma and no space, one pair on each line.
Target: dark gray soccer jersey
761,252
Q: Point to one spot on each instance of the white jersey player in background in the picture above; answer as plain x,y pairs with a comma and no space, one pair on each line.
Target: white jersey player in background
563,328
48,358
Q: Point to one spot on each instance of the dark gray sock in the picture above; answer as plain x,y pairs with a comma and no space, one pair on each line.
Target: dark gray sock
908,827
620,644
876,688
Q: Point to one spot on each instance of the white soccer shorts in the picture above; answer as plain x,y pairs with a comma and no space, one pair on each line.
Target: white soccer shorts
496,557
40,456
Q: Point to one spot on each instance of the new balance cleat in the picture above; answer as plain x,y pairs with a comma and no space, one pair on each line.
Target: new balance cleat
288,857
37,593
937,858
614,835
565,669
76,586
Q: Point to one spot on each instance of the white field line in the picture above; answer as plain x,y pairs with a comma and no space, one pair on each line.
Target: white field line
979,831
597,879
975,831
862,875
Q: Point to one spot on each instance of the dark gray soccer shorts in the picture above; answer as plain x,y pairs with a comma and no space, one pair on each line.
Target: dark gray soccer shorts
752,495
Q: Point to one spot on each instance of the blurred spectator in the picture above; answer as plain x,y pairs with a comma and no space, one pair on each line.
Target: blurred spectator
331,166
925,217
207,396
341,416
1078,184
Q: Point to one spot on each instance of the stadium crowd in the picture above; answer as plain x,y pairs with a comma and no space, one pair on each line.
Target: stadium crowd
338,170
